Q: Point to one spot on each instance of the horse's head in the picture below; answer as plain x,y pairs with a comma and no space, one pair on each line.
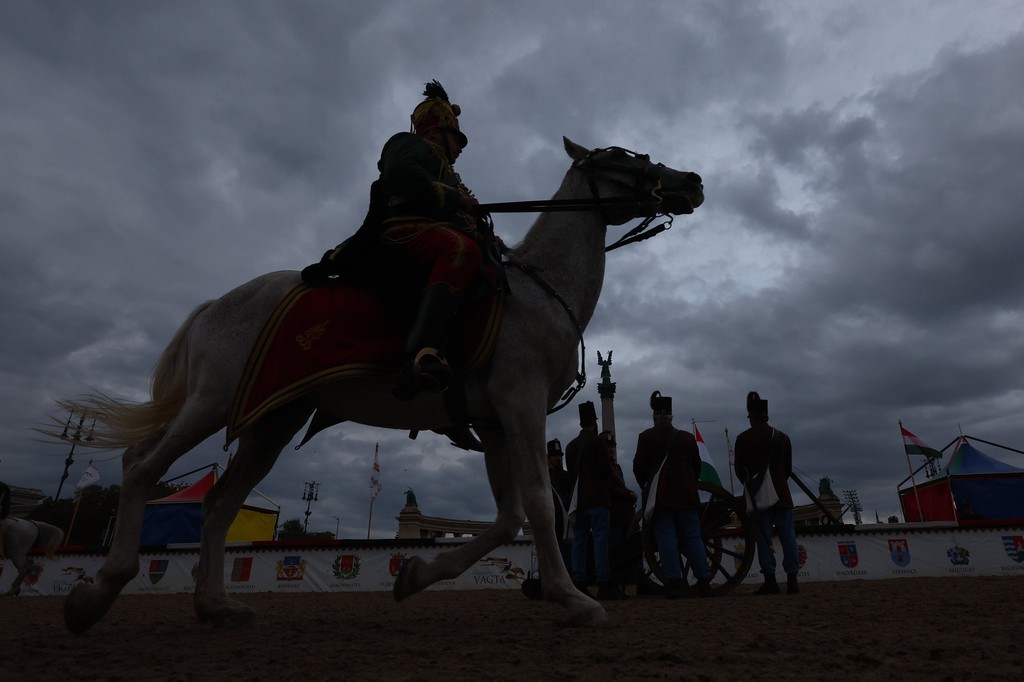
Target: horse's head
649,188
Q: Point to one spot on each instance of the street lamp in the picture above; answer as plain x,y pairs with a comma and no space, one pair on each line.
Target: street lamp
337,527
309,496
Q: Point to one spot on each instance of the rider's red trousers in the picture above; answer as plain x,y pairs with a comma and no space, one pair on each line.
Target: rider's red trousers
453,257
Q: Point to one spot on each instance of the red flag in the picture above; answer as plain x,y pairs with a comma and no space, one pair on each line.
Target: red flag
915,446
375,484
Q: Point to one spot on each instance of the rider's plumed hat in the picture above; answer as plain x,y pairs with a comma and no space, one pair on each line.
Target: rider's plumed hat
661,405
588,415
756,408
554,448
437,112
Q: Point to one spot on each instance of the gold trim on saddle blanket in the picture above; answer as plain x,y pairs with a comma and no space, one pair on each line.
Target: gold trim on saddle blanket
246,409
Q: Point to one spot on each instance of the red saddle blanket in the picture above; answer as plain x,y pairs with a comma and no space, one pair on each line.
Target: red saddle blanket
318,335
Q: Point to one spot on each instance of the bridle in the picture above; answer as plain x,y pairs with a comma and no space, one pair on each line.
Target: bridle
644,202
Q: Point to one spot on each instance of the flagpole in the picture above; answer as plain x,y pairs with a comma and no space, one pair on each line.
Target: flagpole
74,514
374,483
369,522
913,482
730,464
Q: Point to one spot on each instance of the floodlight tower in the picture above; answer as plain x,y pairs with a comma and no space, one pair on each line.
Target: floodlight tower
853,501
309,496
74,439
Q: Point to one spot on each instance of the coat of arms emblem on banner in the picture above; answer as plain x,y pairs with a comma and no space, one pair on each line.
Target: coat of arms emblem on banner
848,554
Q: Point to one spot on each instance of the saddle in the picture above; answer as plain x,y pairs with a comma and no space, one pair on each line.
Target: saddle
306,342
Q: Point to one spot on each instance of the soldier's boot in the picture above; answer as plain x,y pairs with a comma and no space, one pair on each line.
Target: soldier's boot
607,591
769,587
791,586
426,369
675,589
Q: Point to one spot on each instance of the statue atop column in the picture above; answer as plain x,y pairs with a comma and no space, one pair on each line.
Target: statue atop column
606,374
825,487
606,389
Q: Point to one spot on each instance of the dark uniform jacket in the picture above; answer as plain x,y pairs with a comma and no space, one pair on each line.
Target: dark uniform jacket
755,450
677,486
623,505
416,181
587,457
561,484
5,500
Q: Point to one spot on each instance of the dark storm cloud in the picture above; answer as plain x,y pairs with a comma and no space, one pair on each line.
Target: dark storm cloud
855,260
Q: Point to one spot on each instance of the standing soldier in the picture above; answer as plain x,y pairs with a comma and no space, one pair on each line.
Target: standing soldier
667,467
587,459
623,508
765,455
561,489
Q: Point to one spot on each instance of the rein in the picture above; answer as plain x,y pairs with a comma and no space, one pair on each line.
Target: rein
589,166
637,234
581,376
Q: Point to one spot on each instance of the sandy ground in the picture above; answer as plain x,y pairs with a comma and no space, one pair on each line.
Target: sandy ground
910,629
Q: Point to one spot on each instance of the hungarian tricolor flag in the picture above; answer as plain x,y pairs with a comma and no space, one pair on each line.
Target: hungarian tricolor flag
708,473
375,484
915,446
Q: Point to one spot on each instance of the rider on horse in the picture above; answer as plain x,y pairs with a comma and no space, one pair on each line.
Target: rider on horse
422,213
427,212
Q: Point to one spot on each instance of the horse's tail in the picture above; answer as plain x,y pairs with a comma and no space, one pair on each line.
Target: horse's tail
121,424
54,536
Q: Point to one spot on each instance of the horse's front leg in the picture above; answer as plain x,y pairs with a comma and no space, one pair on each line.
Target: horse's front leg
258,449
535,485
417,574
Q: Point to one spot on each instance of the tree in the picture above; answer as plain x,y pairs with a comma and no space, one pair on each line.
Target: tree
291,530
98,506
321,535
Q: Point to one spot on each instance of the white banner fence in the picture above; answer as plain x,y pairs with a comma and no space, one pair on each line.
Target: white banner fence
855,553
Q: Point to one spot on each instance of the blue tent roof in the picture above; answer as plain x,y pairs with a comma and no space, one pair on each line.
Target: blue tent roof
967,459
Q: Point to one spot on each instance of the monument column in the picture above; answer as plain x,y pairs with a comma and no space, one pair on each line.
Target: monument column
606,389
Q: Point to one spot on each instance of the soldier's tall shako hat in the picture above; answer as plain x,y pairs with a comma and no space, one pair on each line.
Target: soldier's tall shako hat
756,408
437,112
554,448
661,405
588,415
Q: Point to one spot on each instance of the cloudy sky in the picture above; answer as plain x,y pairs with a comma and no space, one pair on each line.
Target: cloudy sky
856,260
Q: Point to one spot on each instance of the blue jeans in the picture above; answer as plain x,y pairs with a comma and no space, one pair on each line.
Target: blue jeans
590,522
778,519
669,526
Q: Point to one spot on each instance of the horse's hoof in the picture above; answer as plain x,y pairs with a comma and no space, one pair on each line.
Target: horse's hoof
84,607
405,581
585,614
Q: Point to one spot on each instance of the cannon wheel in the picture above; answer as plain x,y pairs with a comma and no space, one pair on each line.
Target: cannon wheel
728,540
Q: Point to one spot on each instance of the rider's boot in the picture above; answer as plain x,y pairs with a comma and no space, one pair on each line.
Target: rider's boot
462,437
426,369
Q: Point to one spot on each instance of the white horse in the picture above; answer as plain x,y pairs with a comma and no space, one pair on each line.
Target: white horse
533,361
22,535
